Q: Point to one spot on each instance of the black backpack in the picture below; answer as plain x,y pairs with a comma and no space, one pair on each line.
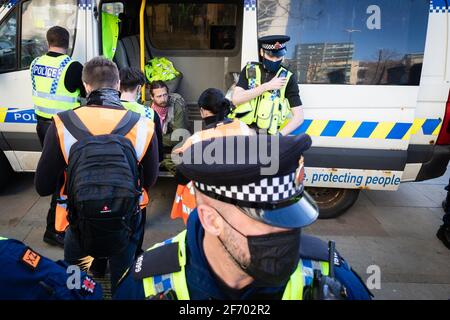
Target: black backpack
103,186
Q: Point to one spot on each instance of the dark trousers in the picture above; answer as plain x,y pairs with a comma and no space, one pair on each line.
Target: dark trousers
118,264
99,265
41,129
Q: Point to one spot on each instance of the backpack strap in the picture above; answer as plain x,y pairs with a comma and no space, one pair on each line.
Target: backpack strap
74,125
127,123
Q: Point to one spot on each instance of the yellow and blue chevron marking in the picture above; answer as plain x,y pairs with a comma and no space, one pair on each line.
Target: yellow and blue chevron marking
316,128
369,129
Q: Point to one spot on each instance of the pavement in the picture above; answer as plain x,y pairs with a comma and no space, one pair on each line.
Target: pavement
386,236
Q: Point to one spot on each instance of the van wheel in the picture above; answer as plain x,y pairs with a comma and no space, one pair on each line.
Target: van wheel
5,170
333,202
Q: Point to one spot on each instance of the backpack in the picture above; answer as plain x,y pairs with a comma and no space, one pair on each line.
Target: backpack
103,186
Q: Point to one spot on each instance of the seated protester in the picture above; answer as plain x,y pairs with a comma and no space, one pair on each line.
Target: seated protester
214,108
131,82
245,240
26,275
171,109
96,147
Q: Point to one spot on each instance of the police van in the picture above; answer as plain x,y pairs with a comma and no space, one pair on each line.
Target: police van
373,75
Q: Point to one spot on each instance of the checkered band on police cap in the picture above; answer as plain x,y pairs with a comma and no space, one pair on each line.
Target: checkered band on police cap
276,46
269,193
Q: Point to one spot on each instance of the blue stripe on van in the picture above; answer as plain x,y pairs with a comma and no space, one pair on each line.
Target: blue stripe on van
303,127
332,129
430,125
365,129
399,130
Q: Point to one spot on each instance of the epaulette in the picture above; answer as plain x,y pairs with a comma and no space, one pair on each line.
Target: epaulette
313,248
158,261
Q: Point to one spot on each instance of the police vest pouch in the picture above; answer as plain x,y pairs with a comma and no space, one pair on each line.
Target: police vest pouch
103,187
265,113
285,111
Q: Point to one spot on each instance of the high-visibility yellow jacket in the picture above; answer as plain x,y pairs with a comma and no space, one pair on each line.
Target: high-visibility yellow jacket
50,95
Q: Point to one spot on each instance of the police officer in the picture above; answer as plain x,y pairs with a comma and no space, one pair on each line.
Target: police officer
57,86
244,240
26,275
266,94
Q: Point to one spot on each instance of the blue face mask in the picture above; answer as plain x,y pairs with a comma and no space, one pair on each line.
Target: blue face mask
271,66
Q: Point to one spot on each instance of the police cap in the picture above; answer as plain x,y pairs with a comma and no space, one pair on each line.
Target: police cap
261,174
275,44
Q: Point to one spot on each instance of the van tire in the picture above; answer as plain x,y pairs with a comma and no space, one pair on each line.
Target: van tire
333,202
5,170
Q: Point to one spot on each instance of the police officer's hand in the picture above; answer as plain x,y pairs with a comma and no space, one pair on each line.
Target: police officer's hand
275,84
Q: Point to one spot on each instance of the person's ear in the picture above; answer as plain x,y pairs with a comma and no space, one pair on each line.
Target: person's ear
209,219
87,87
118,86
261,52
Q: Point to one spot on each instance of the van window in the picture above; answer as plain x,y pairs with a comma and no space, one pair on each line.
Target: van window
37,17
8,37
193,26
367,42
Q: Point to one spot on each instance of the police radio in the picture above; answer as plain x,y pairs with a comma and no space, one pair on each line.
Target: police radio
166,295
326,287
283,74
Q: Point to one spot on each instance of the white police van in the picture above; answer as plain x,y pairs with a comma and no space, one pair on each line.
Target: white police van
373,75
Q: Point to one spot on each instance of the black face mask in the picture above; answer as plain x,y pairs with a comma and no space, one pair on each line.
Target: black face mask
273,257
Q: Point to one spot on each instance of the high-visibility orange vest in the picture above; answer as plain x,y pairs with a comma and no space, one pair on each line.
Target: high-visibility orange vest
222,129
184,202
100,121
